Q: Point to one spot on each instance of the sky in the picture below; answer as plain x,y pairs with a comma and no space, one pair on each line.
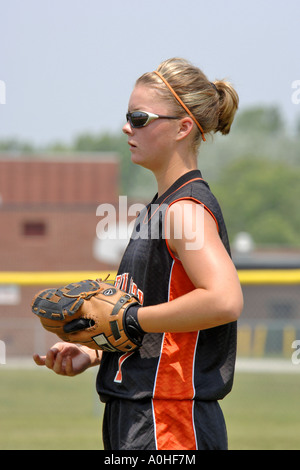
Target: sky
68,66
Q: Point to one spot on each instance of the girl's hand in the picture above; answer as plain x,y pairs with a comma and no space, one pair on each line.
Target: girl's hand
68,359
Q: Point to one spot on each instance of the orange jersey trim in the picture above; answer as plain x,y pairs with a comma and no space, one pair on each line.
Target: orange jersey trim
174,385
174,424
184,184
188,198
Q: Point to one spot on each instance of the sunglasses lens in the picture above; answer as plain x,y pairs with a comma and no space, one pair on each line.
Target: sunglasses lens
137,118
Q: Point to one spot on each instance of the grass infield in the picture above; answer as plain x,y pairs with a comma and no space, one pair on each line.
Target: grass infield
42,411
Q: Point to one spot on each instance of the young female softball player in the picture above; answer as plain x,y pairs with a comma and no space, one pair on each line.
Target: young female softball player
164,395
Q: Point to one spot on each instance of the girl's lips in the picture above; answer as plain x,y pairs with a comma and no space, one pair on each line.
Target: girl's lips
131,144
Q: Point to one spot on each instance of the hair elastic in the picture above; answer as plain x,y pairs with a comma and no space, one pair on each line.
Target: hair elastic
214,86
181,103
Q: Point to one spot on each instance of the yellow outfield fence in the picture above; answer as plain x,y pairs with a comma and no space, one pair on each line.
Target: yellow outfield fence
31,278
270,276
268,326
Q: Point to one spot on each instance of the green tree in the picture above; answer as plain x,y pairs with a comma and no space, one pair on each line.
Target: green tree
263,120
261,197
15,145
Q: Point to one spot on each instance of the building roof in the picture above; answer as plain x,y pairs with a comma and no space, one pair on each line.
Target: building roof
58,178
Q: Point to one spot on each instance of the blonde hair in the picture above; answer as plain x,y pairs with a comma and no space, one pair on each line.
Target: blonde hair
213,104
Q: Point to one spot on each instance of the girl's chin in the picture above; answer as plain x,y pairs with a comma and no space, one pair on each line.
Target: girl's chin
148,162
135,158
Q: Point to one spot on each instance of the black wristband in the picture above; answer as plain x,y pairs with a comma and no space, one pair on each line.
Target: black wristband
131,324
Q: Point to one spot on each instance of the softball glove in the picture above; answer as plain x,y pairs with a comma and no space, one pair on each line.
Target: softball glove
91,313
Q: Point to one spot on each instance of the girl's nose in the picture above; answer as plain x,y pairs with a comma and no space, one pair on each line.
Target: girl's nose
127,129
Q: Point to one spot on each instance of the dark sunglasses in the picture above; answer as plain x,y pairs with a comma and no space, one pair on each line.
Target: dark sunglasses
143,118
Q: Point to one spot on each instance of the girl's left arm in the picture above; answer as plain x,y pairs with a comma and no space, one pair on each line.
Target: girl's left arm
217,298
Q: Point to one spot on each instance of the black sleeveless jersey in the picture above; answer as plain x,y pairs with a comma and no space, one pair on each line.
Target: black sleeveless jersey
173,366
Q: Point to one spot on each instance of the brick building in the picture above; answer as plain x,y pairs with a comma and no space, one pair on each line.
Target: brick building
48,223
48,210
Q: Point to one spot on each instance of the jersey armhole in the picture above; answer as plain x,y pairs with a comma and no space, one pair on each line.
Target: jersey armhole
175,258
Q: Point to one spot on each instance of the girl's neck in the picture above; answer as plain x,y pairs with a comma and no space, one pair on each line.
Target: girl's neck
167,176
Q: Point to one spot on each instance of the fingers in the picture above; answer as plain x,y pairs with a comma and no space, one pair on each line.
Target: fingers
39,360
55,361
69,367
47,360
50,358
65,359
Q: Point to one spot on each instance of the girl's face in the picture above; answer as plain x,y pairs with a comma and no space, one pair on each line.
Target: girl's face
151,146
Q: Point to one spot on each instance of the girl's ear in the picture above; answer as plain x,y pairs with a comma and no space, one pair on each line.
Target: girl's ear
185,126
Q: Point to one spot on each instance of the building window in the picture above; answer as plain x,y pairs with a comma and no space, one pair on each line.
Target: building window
34,229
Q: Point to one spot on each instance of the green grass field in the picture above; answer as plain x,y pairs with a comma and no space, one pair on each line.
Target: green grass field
39,410
262,412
